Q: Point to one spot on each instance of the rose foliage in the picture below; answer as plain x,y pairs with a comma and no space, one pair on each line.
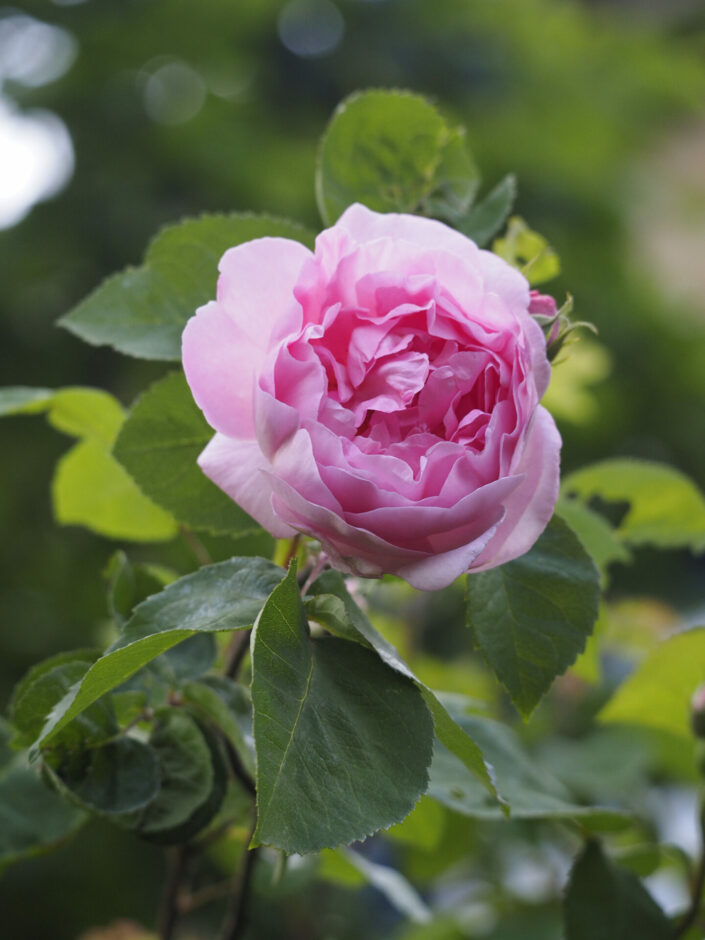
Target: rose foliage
376,396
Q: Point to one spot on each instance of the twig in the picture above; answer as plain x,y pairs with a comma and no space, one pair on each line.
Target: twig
195,899
318,567
238,908
691,915
168,906
239,772
199,550
239,646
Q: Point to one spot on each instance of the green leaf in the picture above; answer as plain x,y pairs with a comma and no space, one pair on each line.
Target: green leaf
458,179
658,692
186,771
489,215
33,819
142,311
129,584
118,777
226,705
605,902
80,412
46,665
91,489
666,508
392,151
332,606
528,251
226,596
343,741
531,791
532,616
598,537
159,445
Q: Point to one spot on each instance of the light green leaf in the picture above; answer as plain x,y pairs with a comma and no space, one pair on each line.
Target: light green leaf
117,777
159,445
91,489
531,791
332,606
391,151
666,508
33,818
658,692
531,617
343,741
490,214
226,596
596,534
142,311
81,412
528,251
606,902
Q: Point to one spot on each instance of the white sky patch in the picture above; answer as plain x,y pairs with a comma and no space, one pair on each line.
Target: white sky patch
36,153
36,160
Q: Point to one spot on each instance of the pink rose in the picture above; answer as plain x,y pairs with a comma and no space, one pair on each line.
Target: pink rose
381,395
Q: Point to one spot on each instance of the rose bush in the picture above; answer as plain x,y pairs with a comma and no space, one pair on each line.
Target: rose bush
381,395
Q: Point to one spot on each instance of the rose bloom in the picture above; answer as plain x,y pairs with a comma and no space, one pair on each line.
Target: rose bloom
381,395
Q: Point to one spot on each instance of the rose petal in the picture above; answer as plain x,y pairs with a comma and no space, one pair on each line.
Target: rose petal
238,468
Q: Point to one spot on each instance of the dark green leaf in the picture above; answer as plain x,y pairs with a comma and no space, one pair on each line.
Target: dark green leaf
118,777
226,596
186,771
159,444
332,605
130,584
205,812
666,508
531,791
37,699
33,818
227,706
488,216
342,740
385,149
531,617
142,311
605,902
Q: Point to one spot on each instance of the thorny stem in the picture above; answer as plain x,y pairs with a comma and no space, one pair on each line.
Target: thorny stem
238,908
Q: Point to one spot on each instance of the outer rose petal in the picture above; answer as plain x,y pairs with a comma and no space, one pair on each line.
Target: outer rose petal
530,507
237,468
256,286
220,364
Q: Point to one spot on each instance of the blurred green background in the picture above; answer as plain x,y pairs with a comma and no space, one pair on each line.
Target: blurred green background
155,109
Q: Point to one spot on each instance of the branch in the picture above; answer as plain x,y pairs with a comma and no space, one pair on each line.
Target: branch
691,915
168,913
238,908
